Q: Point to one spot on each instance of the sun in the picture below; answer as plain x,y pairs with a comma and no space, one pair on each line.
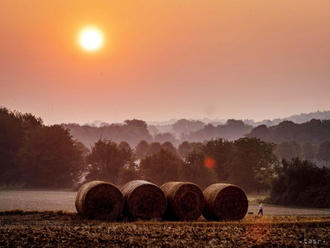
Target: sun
91,39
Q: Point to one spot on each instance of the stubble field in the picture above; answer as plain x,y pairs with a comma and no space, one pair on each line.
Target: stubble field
35,227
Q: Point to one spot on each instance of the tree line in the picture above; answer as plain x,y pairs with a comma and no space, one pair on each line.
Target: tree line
35,155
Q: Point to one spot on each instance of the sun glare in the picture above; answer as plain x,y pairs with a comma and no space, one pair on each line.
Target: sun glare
90,39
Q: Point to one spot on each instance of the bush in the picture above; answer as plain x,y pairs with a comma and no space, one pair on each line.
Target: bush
301,183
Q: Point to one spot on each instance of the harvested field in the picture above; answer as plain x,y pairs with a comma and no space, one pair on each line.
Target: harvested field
41,200
49,229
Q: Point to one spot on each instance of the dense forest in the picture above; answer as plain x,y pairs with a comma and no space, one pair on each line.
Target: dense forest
35,155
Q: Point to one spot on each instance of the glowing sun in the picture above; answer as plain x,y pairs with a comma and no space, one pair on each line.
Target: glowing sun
90,39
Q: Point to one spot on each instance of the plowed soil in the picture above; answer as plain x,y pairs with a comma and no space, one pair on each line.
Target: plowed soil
59,229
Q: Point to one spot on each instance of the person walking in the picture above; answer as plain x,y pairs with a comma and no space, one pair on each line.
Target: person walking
261,211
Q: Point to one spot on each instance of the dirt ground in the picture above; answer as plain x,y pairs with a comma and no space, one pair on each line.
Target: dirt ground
59,229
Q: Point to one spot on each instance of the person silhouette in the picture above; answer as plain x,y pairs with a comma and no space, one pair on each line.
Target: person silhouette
261,211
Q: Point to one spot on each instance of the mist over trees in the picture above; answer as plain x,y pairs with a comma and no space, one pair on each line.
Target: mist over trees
35,155
134,131
131,131
231,130
314,131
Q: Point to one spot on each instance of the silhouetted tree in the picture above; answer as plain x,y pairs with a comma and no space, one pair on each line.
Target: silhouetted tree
196,171
232,130
314,131
222,152
50,158
301,183
106,159
153,148
309,151
252,164
141,149
185,148
185,126
14,129
288,150
324,152
165,137
161,167
169,147
127,173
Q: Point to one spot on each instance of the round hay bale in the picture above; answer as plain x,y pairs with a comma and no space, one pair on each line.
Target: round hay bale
143,200
185,200
100,200
224,202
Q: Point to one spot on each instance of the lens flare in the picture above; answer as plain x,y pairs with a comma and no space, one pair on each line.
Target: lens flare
209,162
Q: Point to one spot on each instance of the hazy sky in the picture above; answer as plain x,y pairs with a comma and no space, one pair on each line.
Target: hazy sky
165,59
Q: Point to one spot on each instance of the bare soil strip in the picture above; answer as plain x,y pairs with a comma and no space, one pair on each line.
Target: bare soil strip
59,229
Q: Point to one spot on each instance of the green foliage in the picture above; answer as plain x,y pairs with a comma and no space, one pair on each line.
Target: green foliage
36,155
161,167
194,170
222,152
141,149
168,146
50,158
106,159
185,148
301,183
11,141
127,173
324,151
252,164
309,151
153,148
246,162
288,150
314,131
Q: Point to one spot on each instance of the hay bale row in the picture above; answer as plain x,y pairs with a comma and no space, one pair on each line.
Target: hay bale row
185,201
143,200
224,202
100,200
139,199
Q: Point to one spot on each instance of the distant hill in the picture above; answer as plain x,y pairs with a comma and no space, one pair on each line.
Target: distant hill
179,130
132,131
299,118
231,130
314,131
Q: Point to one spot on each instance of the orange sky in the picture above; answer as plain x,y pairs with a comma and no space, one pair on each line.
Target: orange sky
165,59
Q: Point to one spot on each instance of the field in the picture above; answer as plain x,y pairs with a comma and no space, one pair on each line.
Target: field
64,201
40,228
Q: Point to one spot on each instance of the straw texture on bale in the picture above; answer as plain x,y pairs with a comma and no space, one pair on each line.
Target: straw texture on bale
143,200
100,200
224,202
185,200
